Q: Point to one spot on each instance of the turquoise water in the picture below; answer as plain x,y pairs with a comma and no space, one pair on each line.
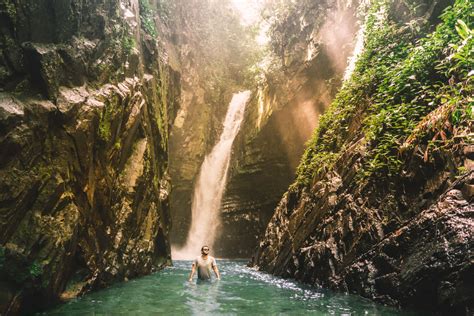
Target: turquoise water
242,291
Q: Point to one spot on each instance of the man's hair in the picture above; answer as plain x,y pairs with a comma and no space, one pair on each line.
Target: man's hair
202,248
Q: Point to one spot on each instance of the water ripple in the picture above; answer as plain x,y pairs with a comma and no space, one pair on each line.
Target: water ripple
241,291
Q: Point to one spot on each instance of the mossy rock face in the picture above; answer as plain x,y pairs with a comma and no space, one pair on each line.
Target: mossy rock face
387,167
84,157
68,203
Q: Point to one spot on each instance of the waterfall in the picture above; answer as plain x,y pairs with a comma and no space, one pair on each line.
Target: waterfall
211,182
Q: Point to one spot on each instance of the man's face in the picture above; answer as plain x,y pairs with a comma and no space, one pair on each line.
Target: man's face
205,250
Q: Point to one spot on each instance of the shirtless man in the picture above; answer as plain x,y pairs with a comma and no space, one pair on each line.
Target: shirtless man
203,264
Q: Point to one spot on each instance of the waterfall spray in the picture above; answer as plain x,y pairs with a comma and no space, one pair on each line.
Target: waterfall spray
211,182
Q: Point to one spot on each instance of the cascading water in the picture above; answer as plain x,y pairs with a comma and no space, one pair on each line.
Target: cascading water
211,182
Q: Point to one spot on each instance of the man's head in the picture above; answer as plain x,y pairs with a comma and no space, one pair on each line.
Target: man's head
205,250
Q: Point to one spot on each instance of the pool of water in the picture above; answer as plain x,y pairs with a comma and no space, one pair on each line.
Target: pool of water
241,291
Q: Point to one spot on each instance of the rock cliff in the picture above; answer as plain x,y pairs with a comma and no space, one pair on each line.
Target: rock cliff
383,200
87,97
311,43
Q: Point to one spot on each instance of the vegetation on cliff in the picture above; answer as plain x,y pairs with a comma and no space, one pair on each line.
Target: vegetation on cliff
400,78
308,44
381,203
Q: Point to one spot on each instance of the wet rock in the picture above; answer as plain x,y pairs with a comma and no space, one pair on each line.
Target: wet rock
401,239
84,154
433,270
282,116
418,260
211,73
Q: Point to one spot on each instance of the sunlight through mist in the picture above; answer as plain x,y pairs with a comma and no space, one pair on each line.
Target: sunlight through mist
249,10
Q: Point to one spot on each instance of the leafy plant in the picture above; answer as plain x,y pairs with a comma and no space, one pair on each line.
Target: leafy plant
400,77
35,270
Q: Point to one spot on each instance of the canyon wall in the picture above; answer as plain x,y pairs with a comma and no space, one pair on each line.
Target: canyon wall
87,97
383,199
310,45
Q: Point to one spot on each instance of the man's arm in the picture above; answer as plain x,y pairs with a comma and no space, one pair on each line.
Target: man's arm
193,270
216,271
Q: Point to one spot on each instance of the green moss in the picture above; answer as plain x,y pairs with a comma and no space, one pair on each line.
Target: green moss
128,44
461,170
117,145
35,270
146,17
17,268
163,103
8,7
43,171
398,80
105,123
